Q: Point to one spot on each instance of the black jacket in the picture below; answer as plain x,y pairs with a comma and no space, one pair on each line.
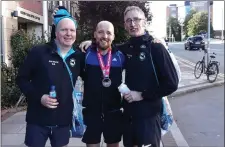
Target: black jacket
140,75
42,68
98,99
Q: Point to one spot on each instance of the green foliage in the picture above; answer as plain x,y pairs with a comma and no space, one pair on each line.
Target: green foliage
185,23
175,27
20,43
9,90
199,23
91,12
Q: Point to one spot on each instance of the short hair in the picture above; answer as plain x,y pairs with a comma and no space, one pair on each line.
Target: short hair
130,8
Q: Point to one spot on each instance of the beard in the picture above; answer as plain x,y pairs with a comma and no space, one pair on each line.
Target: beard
102,46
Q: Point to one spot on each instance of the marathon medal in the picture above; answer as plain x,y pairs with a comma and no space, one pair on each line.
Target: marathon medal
106,82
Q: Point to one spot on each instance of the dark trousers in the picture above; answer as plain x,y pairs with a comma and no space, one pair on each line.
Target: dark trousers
37,136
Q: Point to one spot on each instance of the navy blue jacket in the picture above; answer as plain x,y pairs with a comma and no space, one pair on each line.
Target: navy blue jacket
99,99
140,75
42,68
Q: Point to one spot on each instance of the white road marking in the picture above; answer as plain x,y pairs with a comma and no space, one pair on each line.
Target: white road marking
178,136
193,64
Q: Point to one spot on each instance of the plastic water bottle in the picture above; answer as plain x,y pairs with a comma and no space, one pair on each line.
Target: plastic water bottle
79,90
52,93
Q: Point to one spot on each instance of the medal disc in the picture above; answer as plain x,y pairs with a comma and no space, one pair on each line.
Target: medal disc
106,82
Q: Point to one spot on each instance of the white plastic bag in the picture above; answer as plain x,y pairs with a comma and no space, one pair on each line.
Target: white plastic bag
166,116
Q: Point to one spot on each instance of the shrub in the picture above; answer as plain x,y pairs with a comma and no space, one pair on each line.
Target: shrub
20,43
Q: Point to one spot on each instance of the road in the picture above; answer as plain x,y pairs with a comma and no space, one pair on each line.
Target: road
200,117
195,55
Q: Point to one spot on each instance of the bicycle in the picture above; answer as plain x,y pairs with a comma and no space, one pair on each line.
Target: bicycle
210,69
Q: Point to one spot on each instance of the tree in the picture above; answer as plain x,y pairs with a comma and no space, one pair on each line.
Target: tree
91,12
174,25
186,20
198,24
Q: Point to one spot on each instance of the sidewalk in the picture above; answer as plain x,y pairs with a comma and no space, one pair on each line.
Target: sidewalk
188,81
13,128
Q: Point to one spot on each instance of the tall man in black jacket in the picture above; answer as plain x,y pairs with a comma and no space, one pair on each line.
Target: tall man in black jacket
47,65
150,75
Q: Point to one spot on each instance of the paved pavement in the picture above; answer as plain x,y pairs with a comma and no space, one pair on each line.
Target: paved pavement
13,128
200,117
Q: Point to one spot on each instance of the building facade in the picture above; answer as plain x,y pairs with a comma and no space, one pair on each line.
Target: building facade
172,11
29,16
199,6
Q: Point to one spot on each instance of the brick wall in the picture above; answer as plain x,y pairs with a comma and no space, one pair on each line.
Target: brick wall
33,6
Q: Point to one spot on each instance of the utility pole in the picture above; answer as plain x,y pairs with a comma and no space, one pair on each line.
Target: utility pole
208,42
181,33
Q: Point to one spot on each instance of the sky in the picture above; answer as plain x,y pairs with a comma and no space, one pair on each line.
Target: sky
158,9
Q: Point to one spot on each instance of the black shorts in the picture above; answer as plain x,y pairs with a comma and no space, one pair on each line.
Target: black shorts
144,131
37,136
110,125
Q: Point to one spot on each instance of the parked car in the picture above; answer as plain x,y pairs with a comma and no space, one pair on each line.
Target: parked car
195,42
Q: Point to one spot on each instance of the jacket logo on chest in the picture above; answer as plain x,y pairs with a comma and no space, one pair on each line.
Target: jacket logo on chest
129,56
114,59
142,56
72,62
53,62
143,46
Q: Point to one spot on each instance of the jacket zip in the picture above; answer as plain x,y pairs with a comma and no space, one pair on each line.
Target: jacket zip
102,111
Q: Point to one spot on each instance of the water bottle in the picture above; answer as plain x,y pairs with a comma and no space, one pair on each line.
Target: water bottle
79,90
52,93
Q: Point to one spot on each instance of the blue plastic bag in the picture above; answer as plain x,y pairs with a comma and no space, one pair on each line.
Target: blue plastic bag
78,128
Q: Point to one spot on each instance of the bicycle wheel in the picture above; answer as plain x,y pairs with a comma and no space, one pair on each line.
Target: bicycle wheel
198,69
212,72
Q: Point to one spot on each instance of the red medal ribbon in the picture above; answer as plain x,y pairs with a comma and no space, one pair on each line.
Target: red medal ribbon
105,69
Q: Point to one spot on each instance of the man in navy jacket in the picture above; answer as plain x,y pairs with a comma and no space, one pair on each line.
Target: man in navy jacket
47,65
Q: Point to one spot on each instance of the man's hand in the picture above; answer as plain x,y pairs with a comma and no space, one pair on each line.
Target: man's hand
133,96
156,40
84,45
49,102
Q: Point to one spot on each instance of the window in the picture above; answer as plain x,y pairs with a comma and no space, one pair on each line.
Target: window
197,38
